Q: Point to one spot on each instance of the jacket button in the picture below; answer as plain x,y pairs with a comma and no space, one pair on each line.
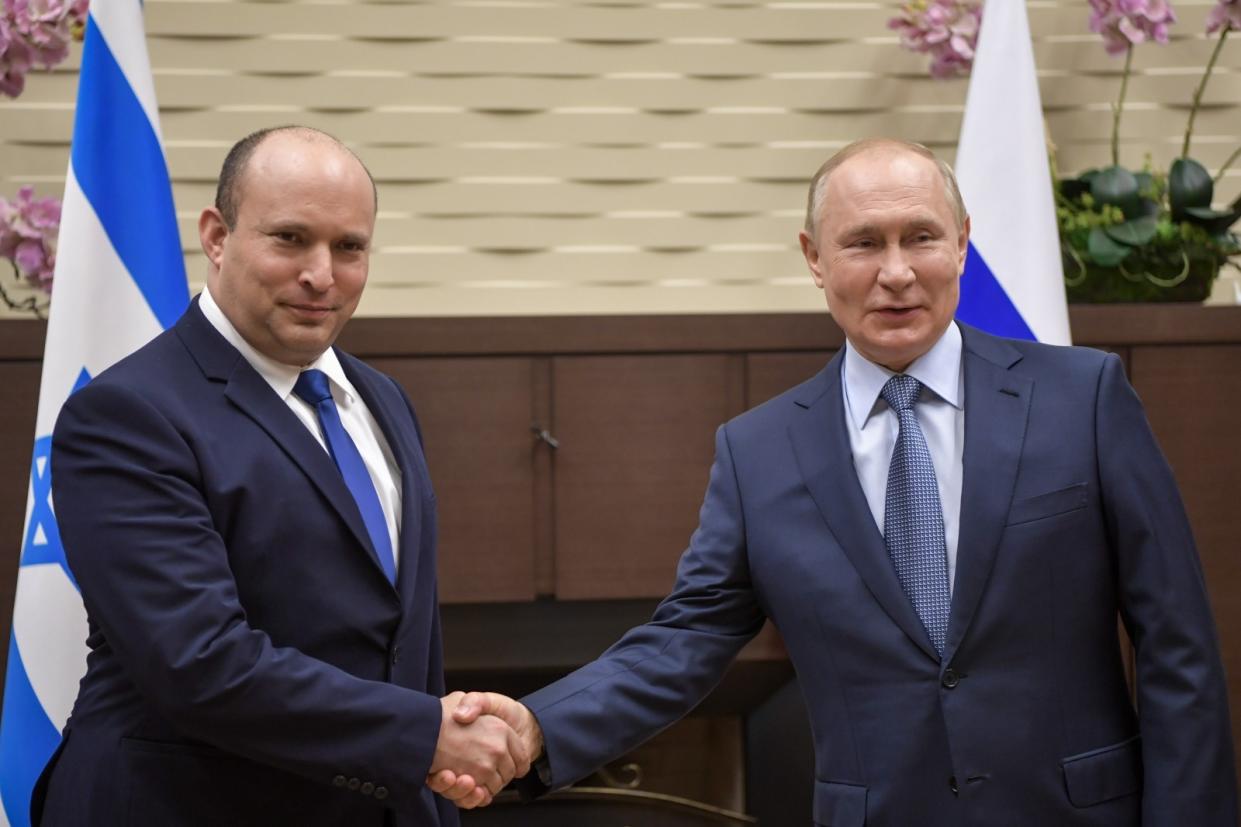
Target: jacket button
396,654
381,792
952,784
951,679
354,783
339,781
367,788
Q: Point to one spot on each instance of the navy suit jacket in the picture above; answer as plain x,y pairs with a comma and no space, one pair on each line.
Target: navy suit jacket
1069,516
250,663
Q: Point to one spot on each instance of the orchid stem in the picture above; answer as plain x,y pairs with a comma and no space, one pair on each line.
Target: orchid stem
1120,105
27,305
1220,175
1202,86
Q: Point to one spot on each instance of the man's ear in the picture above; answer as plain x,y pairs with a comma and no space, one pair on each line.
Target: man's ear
811,251
963,245
212,233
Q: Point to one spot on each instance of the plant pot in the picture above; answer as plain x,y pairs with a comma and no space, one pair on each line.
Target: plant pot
1182,276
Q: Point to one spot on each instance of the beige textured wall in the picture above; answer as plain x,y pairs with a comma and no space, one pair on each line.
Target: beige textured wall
537,157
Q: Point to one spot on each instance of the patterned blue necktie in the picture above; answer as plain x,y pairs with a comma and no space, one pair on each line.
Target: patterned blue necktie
913,521
312,387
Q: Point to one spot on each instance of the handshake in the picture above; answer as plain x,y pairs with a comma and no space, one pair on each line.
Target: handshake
486,740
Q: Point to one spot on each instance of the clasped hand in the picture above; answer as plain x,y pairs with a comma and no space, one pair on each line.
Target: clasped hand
486,740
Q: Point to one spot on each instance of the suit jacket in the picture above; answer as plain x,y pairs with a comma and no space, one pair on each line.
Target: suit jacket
250,663
1069,516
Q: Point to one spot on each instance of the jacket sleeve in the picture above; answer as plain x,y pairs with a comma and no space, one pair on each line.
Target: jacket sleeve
1187,752
155,577
659,671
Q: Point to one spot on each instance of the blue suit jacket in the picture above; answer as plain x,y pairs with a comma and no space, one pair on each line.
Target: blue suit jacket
1069,515
249,664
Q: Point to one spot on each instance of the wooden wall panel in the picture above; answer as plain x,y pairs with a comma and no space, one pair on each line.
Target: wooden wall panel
636,443
20,381
578,112
770,374
477,384
838,91
475,416
1192,396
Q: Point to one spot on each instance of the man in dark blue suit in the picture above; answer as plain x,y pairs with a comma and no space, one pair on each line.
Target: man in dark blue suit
249,516
944,526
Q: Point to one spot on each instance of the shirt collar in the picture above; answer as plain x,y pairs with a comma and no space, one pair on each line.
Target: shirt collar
278,375
939,369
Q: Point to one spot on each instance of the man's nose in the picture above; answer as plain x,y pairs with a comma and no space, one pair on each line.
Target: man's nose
895,270
317,268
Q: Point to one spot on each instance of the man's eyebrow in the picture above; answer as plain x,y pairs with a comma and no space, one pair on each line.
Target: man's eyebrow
870,228
280,225
926,220
858,229
356,238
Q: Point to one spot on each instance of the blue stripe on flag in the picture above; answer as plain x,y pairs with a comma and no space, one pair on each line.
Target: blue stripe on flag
118,162
25,732
984,304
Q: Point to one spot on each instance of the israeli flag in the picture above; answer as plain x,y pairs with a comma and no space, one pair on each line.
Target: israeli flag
1013,283
120,280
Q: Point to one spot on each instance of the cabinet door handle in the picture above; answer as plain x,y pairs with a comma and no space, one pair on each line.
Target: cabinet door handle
544,435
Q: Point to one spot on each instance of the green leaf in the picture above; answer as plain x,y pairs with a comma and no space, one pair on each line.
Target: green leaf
1116,186
1073,187
1215,222
1105,251
1135,233
1147,208
1189,185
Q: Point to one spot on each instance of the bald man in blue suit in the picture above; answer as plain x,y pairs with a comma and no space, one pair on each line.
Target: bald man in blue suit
264,632
982,685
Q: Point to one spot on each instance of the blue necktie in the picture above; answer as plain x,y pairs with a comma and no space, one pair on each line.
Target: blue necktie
913,521
312,387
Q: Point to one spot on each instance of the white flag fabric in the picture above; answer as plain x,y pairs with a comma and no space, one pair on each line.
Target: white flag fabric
1014,282
120,280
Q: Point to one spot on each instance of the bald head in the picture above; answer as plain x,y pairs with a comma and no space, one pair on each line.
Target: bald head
868,146
231,186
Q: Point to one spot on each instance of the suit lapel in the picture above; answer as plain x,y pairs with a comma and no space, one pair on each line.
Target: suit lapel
821,445
997,406
221,362
390,411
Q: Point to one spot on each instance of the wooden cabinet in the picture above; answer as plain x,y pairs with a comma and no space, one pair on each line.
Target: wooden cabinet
634,403
576,477
636,443
770,374
475,415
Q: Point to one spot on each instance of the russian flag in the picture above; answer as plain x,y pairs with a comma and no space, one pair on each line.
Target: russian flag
1013,283
120,280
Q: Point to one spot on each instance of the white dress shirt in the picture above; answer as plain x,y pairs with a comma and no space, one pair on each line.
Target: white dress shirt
873,427
359,423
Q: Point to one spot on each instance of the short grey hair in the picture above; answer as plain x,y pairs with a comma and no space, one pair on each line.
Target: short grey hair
818,184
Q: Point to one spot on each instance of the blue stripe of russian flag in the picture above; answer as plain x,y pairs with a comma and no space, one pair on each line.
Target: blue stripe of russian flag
985,304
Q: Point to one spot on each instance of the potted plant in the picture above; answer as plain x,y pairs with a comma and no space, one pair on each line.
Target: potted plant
1144,235
1147,235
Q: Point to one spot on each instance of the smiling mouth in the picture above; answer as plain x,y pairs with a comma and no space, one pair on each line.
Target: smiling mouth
311,310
